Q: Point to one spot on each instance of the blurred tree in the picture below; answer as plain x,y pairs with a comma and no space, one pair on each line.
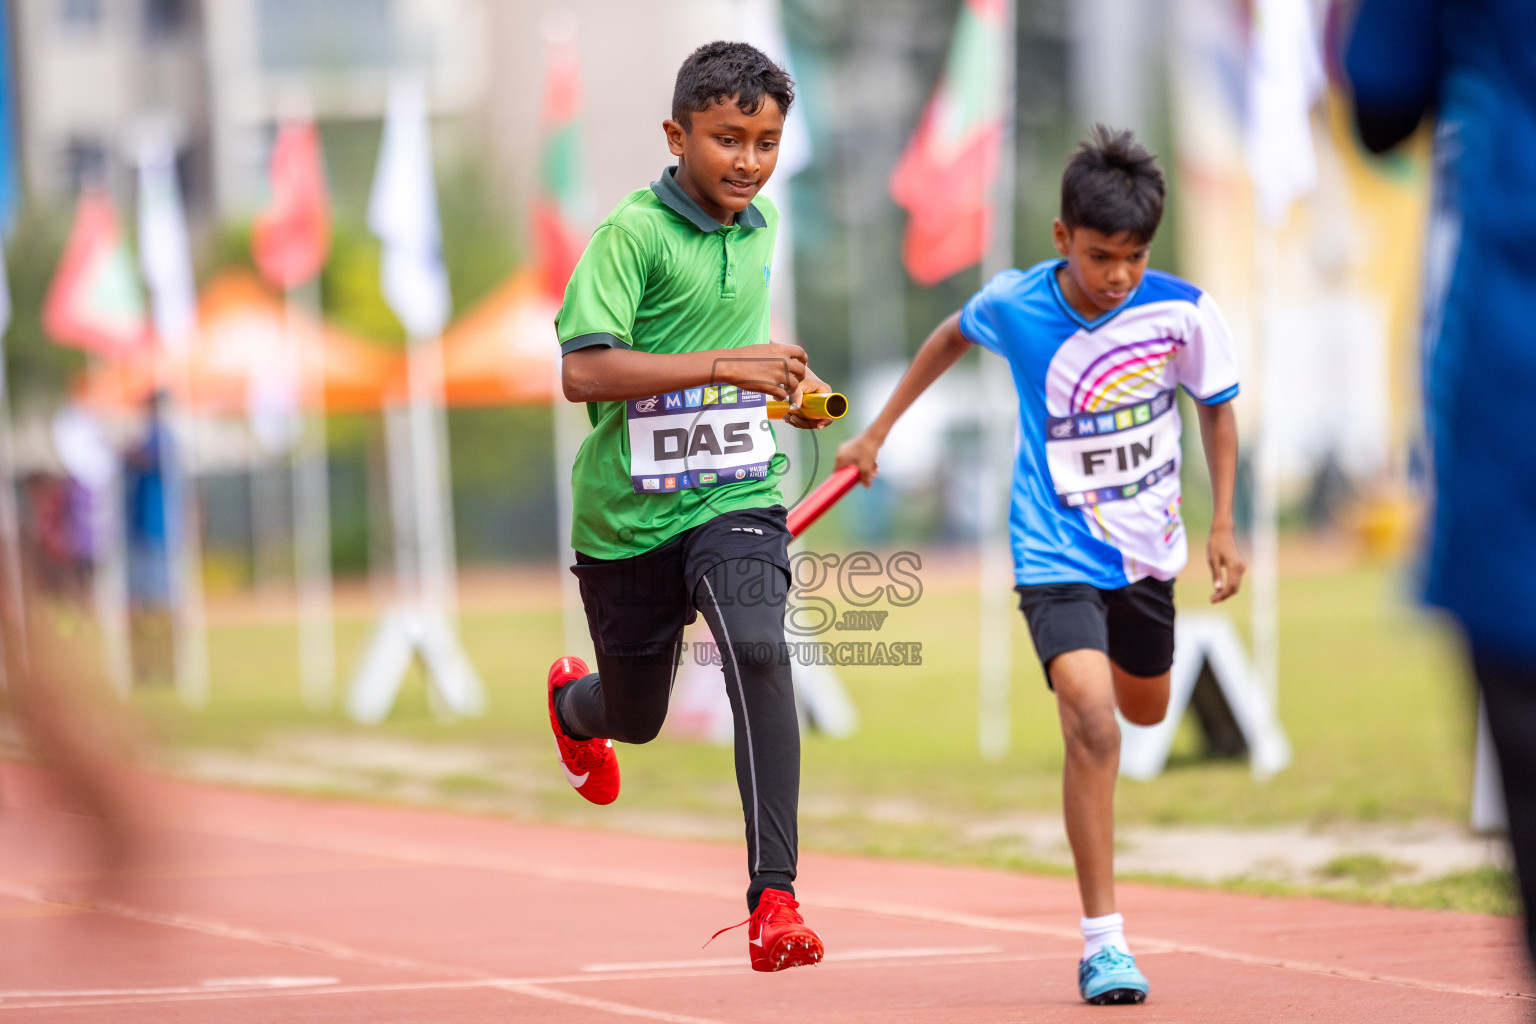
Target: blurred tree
500,463
481,237
227,247
39,372
863,93
351,440
503,483
350,294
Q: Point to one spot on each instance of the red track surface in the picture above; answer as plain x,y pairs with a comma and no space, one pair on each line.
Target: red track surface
261,908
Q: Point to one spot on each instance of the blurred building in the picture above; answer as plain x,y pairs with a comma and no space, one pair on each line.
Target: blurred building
271,59
630,52
94,76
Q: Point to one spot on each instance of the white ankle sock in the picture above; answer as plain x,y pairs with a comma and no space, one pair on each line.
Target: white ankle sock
1099,932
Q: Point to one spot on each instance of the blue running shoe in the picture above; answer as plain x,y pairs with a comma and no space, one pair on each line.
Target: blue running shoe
1110,977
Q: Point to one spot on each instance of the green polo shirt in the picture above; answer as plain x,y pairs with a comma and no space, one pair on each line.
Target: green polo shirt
661,275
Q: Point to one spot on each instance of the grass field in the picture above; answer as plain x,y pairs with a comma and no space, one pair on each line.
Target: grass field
1372,694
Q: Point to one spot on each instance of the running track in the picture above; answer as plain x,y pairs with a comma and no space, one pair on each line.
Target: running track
260,907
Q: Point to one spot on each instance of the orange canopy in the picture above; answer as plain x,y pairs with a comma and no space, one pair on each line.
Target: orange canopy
241,347
504,351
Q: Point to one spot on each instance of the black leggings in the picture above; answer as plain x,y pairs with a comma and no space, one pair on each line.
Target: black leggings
1510,690
626,700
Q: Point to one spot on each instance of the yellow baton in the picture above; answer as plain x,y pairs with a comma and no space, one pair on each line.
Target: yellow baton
827,405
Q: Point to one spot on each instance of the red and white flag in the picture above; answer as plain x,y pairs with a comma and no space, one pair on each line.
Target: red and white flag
94,301
945,176
557,207
293,234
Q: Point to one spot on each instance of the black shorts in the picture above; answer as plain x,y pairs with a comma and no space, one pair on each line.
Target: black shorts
1133,624
637,607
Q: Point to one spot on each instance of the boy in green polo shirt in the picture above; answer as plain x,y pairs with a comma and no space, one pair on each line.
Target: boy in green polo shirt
664,334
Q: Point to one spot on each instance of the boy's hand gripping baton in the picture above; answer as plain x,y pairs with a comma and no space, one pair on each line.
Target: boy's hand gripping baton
822,405
822,498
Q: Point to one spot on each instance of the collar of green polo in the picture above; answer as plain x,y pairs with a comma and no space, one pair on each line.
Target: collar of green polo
671,193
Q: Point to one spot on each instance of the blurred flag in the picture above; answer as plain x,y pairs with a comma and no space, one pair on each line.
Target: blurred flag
6,310
944,177
10,201
164,251
10,185
1285,77
293,234
10,182
402,211
557,207
94,300
5,307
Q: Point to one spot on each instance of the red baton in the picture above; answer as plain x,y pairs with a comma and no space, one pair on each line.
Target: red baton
822,498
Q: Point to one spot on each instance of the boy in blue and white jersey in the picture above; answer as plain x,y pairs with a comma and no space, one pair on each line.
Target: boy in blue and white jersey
1098,346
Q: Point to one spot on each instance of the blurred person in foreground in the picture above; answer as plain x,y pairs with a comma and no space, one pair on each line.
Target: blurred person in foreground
76,737
676,511
1471,64
1098,346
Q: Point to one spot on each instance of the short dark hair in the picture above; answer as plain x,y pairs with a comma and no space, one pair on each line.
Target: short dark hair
1112,184
717,71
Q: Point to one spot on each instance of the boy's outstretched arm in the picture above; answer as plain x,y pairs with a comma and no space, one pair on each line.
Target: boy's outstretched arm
1218,431
939,352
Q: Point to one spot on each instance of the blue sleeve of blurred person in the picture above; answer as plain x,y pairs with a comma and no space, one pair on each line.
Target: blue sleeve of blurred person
1473,64
147,504
1393,63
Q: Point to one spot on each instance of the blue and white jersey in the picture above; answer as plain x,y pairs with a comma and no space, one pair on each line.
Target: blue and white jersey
1096,485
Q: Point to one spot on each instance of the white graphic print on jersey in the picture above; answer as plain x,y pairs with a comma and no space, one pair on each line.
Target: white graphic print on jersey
1113,433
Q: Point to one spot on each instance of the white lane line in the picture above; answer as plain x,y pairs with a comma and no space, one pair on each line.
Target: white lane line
701,968
622,1009
433,856
327,948
1348,973
211,985
1155,945
187,994
219,929
740,967
424,854
279,981
852,954
192,994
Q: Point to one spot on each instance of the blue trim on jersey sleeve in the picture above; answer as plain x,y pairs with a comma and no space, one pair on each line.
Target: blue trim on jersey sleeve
971,329
1216,399
1013,316
1157,286
975,314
